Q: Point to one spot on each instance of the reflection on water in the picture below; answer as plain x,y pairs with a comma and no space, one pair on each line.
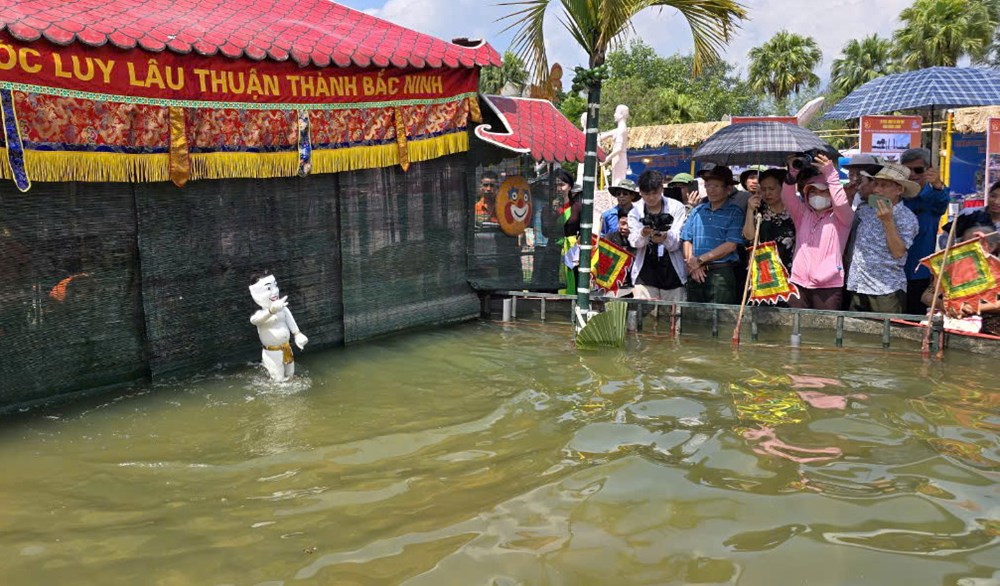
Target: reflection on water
499,455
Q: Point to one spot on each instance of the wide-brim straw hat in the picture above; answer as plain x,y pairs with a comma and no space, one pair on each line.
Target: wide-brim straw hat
898,174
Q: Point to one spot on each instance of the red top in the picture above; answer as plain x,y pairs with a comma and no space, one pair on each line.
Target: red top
317,32
536,127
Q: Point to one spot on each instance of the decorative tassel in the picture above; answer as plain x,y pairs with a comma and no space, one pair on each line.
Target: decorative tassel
12,137
474,112
305,144
180,161
404,155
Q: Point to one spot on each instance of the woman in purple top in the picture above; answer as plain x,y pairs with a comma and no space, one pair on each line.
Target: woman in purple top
822,224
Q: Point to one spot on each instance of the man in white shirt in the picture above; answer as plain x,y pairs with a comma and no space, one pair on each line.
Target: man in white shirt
655,222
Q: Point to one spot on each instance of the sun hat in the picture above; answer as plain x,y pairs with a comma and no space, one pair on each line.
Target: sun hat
719,173
752,170
682,178
858,161
626,186
899,175
704,169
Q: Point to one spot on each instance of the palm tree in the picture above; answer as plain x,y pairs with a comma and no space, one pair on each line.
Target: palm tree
862,61
940,32
784,65
597,26
493,79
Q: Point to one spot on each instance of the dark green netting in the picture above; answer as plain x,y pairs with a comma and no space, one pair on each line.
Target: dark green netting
200,245
529,261
404,241
359,254
87,332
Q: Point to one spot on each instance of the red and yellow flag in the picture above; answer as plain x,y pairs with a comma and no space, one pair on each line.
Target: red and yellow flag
768,277
970,274
609,265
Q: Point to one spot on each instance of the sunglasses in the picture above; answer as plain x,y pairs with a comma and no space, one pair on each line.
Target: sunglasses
917,170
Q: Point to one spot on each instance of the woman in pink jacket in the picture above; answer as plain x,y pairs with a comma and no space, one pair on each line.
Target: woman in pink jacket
822,223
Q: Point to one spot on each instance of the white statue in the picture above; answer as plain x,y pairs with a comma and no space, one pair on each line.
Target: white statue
617,159
579,171
275,325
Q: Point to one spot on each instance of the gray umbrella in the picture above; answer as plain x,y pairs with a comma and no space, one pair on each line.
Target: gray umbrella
760,143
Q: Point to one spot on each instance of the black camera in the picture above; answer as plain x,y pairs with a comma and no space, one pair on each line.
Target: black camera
802,161
658,222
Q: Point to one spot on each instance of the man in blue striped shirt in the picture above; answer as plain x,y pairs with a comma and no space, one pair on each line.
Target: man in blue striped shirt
710,236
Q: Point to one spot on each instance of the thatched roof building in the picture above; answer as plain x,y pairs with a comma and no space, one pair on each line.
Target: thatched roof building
673,135
973,120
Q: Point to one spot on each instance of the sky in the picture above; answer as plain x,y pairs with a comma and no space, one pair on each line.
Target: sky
665,30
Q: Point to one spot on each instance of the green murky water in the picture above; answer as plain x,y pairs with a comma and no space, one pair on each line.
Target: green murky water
485,455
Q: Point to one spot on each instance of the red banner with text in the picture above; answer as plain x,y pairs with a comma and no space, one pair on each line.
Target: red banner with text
168,78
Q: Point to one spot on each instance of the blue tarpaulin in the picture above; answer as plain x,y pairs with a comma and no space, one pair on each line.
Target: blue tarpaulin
667,160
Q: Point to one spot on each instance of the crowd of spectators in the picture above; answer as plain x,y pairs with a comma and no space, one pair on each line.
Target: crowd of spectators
847,246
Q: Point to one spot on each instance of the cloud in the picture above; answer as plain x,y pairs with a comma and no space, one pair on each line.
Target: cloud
665,30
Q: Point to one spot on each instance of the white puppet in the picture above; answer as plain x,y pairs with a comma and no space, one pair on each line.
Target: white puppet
275,326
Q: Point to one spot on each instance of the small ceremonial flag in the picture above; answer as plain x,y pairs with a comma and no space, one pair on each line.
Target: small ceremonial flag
609,265
970,274
769,279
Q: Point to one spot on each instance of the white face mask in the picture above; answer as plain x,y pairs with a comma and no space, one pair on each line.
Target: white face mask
819,203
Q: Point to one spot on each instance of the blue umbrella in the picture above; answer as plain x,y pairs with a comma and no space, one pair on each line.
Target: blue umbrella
934,87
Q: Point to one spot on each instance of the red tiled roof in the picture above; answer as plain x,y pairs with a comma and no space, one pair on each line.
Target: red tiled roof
317,32
536,127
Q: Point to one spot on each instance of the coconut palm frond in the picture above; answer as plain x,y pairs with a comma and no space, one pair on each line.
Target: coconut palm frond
529,36
607,328
712,24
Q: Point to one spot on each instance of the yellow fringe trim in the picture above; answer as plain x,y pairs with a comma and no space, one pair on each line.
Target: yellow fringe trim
244,165
119,168
387,155
97,167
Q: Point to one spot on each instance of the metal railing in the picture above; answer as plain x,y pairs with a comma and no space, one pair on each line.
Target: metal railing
678,310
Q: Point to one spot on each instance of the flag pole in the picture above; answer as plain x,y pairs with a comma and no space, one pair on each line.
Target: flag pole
925,346
746,285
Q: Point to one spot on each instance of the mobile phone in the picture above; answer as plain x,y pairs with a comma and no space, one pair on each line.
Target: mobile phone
874,199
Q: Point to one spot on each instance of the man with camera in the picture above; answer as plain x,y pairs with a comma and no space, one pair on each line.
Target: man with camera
654,230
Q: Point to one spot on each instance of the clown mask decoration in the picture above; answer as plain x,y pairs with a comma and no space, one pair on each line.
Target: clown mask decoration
514,206
275,327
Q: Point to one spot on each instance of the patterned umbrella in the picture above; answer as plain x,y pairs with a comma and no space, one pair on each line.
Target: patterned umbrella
934,87
760,143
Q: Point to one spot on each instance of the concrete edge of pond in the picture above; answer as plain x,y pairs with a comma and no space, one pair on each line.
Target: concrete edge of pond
556,308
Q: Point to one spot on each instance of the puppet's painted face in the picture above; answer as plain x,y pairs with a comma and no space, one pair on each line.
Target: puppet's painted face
514,205
265,291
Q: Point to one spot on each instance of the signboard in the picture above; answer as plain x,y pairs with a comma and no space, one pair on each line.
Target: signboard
968,166
745,119
889,136
992,151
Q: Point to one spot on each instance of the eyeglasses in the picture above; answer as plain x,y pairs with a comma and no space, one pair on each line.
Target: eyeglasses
917,170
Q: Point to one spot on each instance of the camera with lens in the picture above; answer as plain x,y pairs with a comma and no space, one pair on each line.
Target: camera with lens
658,222
802,161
